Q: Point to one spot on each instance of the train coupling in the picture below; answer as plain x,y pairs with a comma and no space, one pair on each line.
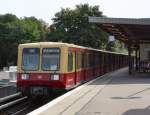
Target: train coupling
39,91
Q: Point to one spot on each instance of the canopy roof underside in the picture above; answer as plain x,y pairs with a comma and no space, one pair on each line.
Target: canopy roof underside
130,31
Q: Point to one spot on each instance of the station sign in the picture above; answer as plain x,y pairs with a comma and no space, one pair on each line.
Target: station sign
31,50
51,50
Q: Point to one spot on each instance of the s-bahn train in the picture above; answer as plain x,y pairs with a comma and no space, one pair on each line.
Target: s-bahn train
52,66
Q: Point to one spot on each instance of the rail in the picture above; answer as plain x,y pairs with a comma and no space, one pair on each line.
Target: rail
4,106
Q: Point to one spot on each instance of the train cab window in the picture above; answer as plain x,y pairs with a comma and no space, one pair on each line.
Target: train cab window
30,58
50,59
70,61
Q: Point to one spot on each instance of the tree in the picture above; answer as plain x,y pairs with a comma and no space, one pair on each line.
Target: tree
14,31
116,46
72,26
7,38
33,29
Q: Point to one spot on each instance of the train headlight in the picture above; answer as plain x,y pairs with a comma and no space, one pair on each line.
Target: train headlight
55,77
25,76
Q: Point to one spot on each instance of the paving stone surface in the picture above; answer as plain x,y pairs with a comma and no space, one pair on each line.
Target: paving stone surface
116,94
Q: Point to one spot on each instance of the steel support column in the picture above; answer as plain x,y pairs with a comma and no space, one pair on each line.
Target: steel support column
136,59
130,59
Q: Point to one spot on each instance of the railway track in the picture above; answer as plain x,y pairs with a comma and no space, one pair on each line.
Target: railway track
17,105
14,104
10,101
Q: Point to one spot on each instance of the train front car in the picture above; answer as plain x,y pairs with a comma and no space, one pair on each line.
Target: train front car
40,68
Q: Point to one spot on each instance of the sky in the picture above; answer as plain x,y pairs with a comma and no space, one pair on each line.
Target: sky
46,9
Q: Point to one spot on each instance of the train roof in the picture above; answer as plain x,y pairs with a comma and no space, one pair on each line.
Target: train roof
68,45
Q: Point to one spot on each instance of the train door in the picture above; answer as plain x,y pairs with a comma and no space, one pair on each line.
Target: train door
78,68
84,65
75,64
71,68
93,64
102,63
96,64
113,62
87,66
110,62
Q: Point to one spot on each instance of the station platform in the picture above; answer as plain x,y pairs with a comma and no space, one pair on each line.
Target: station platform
115,93
4,75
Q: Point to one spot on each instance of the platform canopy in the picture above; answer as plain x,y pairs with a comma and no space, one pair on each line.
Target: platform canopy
130,31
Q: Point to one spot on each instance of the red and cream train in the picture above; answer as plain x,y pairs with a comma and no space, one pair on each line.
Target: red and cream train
49,66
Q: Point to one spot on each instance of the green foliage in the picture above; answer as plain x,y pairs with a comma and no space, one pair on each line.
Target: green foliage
14,31
8,39
33,29
116,46
72,26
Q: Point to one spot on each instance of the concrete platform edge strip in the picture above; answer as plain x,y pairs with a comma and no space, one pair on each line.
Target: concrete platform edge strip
58,99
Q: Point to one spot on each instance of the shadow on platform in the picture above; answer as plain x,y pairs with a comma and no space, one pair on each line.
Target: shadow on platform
145,111
122,77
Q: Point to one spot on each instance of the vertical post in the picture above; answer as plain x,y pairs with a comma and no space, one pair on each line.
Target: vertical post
139,60
136,58
130,61
139,55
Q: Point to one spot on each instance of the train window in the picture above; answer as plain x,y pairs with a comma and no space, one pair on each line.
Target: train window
50,59
91,61
30,58
70,61
113,61
83,60
102,59
88,60
97,60
110,59
105,58
79,60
